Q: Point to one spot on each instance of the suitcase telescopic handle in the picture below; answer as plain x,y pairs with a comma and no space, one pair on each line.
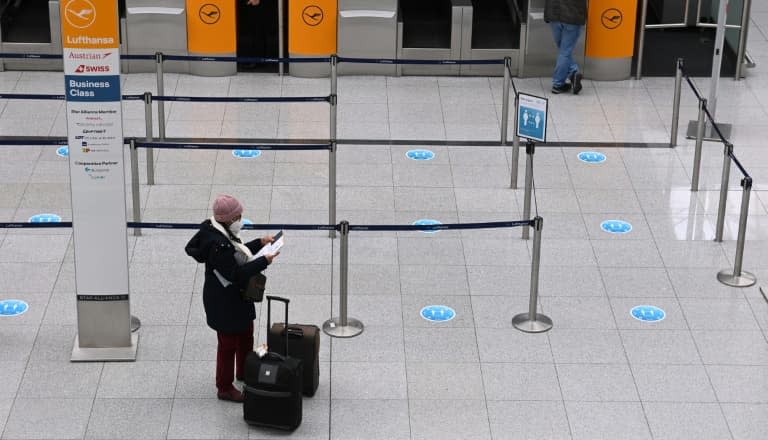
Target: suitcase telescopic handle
285,301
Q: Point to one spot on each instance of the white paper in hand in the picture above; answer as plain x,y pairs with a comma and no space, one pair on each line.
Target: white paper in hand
271,248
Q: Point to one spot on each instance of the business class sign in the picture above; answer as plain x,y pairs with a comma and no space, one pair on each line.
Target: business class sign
97,173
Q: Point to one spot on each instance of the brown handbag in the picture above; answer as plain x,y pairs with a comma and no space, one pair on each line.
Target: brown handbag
254,290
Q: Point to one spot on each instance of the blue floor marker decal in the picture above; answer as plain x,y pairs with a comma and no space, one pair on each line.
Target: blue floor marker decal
592,157
45,218
63,151
13,307
616,226
438,313
420,155
648,313
427,221
246,154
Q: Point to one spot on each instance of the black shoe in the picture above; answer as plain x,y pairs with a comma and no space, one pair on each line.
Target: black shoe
576,82
561,89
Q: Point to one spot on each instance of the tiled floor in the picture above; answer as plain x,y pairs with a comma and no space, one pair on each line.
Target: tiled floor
702,373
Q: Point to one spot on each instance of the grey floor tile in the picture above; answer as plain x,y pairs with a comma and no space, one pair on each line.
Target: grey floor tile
597,383
512,345
17,341
700,283
673,318
161,308
369,419
16,248
314,423
129,419
637,282
430,250
608,201
440,344
421,176
196,380
376,309
490,252
627,253
449,419
689,254
366,249
374,344
746,421
670,421
579,312
5,409
571,253
147,379
74,380
732,347
486,200
161,342
524,420
718,314
568,282
372,279
13,371
48,419
206,418
667,347
433,199
739,384
199,343
369,380
586,346
513,381
54,343
498,311
680,383
502,280
445,381
420,279
607,420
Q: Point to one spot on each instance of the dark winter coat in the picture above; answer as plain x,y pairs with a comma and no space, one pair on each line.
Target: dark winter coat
566,11
225,310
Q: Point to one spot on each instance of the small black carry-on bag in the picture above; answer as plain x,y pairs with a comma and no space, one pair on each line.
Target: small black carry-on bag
273,384
305,345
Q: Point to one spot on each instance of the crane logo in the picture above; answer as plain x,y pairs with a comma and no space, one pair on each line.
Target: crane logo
209,13
312,15
611,18
80,14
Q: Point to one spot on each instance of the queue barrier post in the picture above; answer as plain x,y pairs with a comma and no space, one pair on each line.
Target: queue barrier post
737,277
505,102
699,141
332,188
530,148
534,322
343,326
676,102
726,176
135,186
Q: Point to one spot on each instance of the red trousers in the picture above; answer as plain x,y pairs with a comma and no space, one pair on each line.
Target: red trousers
231,352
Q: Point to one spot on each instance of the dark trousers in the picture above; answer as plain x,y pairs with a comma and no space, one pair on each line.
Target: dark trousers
230,356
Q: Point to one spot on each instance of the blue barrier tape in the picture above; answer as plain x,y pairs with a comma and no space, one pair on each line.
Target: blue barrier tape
18,225
32,56
738,165
204,146
24,140
31,96
236,99
693,87
138,57
133,97
246,59
414,61
440,227
248,226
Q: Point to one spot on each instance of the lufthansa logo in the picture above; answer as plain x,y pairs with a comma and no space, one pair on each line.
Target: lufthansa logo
80,14
611,18
312,15
209,13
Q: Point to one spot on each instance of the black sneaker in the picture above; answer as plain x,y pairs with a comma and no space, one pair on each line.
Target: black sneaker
576,82
561,89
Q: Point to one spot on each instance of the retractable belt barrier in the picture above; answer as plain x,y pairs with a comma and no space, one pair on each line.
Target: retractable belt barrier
207,146
238,99
43,225
736,277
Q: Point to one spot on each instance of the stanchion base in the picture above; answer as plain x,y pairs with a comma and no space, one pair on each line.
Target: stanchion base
135,323
333,328
745,279
710,134
541,324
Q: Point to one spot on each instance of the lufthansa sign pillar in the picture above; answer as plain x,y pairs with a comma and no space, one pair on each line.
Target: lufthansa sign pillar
90,43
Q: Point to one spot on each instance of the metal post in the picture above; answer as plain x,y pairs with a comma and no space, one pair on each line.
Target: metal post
332,188
333,117
641,40
135,186
334,74
676,102
149,137
515,146
505,102
342,326
160,92
745,13
699,141
530,147
280,37
728,149
717,59
533,322
738,277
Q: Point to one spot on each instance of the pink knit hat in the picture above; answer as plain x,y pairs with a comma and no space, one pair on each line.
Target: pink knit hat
226,208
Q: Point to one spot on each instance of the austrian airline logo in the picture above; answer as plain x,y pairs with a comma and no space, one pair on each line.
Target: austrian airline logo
88,55
91,69
80,14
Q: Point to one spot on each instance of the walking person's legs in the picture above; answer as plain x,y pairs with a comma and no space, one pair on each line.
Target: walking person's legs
569,37
562,64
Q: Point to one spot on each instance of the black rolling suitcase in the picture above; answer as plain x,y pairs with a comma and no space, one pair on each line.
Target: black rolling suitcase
305,345
273,384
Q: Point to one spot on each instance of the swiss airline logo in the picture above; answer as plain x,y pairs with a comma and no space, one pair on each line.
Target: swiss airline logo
91,69
80,14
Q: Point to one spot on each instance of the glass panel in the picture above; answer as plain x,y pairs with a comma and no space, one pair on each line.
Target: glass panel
426,23
495,24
